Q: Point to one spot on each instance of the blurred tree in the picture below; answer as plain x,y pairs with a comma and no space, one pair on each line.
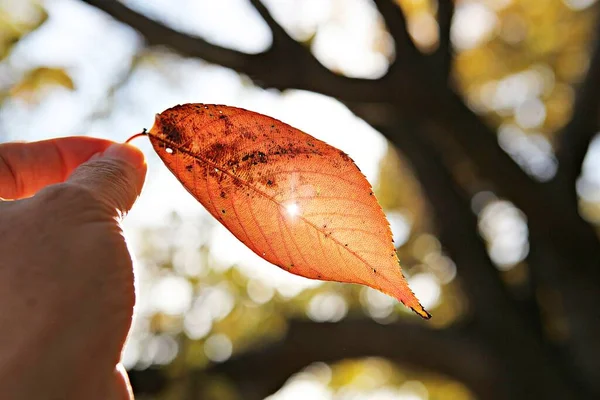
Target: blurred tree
476,151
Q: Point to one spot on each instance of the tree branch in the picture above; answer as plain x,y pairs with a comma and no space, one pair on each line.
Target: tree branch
276,29
273,68
583,126
547,209
502,321
566,298
456,223
567,264
573,275
301,70
395,22
451,352
444,54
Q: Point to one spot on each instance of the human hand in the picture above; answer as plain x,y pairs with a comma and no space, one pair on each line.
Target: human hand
66,278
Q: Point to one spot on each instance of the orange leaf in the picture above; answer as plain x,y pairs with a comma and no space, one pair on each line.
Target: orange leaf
292,199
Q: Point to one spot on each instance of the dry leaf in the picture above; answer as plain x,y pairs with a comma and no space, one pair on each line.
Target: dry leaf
294,200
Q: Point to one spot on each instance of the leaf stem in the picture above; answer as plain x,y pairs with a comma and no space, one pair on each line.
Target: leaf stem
142,133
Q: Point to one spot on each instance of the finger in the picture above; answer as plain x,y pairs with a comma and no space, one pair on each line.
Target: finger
122,388
115,177
25,168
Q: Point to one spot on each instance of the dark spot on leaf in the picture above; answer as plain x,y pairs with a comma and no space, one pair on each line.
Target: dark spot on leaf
189,167
223,211
228,124
223,195
170,131
216,151
247,134
260,158
270,182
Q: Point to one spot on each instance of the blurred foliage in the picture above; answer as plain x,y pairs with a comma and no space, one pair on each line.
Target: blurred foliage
516,63
540,48
17,19
39,81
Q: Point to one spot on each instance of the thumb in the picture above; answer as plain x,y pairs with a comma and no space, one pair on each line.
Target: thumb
115,176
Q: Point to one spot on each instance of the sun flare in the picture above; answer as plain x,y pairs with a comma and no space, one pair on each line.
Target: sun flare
292,209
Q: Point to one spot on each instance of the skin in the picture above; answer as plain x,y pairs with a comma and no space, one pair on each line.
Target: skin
66,277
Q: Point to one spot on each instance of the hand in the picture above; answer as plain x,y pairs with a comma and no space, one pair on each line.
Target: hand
66,278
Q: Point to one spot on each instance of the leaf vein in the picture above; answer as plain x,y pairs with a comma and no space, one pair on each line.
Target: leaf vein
265,195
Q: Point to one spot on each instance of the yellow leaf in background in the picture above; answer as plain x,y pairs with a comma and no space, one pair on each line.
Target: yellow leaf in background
34,84
16,25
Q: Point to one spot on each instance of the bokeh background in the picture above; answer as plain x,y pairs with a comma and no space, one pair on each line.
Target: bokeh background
474,120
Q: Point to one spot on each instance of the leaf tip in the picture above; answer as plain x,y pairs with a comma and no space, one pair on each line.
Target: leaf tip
421,312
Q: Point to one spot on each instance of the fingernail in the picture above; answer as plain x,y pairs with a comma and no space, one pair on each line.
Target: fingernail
125,152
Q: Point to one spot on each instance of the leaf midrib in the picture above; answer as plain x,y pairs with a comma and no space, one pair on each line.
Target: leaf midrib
265,195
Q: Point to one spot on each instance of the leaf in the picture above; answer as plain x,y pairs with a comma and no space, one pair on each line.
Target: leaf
35,81
17,22
292,199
